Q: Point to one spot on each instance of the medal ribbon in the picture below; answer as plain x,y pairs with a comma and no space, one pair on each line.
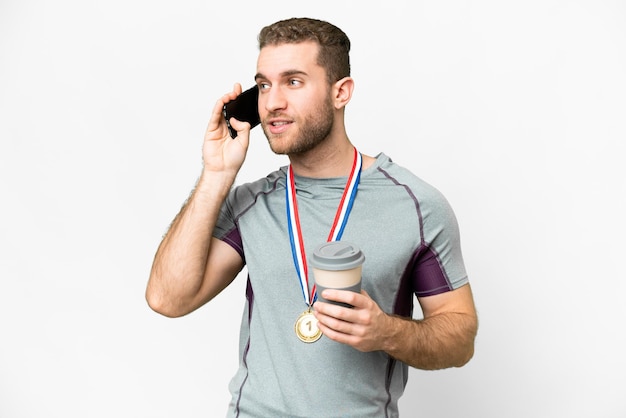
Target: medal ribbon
336,231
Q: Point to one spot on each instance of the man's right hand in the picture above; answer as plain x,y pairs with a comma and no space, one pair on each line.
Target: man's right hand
221,153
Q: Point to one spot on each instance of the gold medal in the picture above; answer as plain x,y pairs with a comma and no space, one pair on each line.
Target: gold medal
306,327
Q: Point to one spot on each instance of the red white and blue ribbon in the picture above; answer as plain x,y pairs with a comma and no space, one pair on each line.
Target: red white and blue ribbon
336,231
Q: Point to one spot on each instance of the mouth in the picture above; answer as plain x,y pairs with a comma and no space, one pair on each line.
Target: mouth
278,126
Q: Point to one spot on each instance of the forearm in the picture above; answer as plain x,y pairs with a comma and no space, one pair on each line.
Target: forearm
180,262
437,342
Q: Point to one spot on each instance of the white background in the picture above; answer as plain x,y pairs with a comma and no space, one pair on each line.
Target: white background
514,110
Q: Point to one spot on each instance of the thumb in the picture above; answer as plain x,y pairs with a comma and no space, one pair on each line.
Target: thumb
240,127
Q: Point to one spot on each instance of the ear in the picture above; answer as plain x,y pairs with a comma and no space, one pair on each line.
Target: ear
342,92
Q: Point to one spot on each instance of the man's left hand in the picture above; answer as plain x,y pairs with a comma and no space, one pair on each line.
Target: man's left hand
363,327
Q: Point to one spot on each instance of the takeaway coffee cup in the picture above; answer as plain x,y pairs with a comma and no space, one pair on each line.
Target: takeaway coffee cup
337,265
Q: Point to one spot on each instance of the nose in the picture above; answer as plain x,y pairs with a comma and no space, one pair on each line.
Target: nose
275,100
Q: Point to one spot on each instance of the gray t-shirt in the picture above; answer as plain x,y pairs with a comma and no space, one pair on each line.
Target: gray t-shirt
409,235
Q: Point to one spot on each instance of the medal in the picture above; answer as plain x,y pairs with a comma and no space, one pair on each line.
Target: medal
306,325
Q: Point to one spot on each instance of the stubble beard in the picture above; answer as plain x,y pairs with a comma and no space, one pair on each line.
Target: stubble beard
313,130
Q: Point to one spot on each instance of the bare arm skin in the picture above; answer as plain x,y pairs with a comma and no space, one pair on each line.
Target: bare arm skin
190,266
444,338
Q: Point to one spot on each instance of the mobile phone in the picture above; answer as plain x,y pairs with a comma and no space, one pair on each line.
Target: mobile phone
244,108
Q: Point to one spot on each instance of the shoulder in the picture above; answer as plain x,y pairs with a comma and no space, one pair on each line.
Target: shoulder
245,195
268,184
428,200
385,168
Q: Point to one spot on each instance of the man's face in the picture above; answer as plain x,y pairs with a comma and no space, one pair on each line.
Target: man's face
294,101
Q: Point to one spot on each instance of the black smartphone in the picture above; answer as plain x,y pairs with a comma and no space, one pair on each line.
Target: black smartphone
244,108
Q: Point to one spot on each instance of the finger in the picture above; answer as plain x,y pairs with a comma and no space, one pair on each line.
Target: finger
334,324
336,317
239,126
333,334
344,296
217,115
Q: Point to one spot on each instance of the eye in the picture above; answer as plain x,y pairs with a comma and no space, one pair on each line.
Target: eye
294,82
264,86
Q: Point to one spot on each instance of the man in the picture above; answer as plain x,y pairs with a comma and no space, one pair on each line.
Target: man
405,228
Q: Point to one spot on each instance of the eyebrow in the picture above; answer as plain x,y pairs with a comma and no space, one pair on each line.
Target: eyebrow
284,74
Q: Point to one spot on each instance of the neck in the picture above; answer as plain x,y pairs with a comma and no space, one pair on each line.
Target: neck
324,161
